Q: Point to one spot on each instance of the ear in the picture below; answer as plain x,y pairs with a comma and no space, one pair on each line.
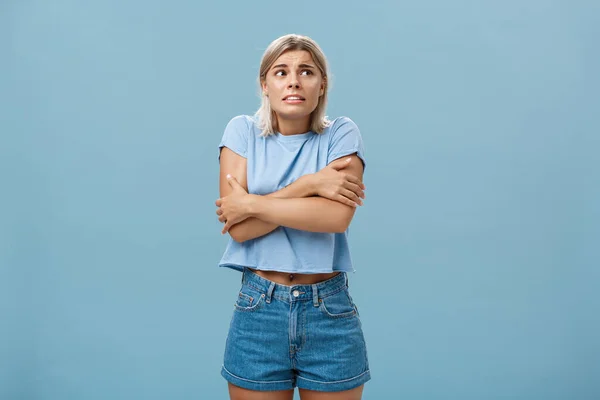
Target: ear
264,88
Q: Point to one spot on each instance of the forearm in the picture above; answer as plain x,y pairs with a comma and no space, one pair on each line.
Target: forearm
252,227
314,214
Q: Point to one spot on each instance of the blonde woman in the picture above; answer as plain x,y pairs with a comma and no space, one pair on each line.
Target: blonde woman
290,183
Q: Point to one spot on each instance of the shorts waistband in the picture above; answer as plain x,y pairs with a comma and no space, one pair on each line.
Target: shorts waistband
295,292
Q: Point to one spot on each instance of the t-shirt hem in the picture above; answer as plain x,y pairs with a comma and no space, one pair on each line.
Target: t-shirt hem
239,267
233,148
347,153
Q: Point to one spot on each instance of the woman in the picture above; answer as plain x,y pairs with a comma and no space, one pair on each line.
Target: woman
290,182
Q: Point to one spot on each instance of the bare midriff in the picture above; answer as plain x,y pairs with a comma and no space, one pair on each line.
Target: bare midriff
286,278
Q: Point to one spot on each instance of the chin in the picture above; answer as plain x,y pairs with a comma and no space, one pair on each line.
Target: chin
294,113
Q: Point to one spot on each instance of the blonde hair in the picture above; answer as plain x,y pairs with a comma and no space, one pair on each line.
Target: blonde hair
266,119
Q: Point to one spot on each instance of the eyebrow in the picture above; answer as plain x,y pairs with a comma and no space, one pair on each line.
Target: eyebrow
285,66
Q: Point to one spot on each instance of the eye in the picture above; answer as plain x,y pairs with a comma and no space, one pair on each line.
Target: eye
307,72
280,73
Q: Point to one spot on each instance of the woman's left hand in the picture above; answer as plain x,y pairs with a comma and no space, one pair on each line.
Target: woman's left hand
235,207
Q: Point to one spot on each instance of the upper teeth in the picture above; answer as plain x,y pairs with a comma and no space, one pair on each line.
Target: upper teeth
293,98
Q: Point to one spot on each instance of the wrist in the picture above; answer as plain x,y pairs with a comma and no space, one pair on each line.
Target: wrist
253,206
309,182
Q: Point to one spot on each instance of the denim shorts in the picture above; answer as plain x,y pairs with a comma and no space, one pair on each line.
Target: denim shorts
305,336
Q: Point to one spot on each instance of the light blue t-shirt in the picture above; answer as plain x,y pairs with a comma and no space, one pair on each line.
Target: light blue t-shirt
274,162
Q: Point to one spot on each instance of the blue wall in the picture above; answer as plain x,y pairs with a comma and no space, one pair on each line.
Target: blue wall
476,251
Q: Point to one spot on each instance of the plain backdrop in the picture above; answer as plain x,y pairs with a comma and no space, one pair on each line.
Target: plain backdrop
476,252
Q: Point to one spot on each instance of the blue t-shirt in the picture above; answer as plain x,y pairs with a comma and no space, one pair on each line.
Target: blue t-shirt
273,162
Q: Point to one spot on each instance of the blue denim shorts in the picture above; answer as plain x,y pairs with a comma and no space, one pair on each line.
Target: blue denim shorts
309,336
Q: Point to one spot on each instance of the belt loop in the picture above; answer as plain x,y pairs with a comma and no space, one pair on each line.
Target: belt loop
270,292
315,295
346,278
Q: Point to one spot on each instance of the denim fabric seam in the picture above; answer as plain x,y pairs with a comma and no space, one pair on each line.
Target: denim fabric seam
250,380
327,294
364,341
346,314
255,307
304,334
290,340
249,298
261,290
334,382
332,293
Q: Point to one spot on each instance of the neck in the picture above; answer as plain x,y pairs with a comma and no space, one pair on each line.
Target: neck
293,126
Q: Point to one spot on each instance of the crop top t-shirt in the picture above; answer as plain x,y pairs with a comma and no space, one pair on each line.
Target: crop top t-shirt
273,162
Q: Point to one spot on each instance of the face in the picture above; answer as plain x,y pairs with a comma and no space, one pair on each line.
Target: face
294,85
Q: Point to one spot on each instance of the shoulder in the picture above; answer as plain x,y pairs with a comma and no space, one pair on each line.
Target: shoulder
344,138
241,121
341,127
342,120
242,125
341,124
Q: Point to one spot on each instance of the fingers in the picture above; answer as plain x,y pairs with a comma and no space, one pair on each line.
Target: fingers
218,203
226,228
355,188
221,218
355,180
233,182
351,196
345,200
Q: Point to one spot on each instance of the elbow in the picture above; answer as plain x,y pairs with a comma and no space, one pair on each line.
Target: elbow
342,225
344,219
238,234
341,229
237,237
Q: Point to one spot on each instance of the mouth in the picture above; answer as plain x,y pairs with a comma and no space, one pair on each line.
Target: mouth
293,99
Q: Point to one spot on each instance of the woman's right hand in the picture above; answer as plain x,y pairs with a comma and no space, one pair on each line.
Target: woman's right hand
334,184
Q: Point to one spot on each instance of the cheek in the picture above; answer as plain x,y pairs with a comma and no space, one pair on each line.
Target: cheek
314,88
275,91
271,86
275,102
315,92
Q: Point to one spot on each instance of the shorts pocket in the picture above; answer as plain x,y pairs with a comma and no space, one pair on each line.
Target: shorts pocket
249,299
338,305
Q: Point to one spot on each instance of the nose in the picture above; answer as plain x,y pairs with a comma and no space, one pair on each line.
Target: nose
294,83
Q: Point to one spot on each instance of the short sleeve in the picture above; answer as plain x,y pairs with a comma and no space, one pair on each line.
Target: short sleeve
345,140
235,136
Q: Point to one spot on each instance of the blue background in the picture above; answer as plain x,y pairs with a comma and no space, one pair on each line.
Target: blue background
476,251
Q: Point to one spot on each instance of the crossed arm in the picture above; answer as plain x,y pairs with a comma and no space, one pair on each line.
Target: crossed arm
297,206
